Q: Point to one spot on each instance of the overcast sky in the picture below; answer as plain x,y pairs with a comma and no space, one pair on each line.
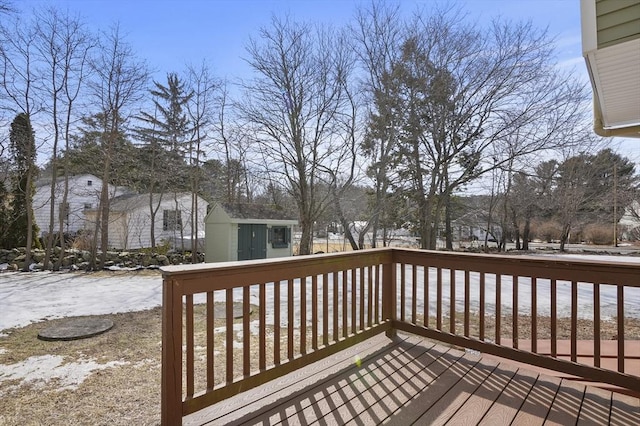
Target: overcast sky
171,33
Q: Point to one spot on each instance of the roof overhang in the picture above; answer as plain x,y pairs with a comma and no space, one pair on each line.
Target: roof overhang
614,72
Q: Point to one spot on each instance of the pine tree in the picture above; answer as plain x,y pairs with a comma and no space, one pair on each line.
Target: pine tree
166,136
171,125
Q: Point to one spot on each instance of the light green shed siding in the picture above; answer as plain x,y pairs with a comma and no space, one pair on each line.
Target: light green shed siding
617,21
221,235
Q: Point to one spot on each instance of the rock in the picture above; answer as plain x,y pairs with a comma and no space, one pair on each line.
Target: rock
68,261
38,256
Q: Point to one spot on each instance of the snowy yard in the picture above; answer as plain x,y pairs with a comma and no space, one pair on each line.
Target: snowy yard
30,297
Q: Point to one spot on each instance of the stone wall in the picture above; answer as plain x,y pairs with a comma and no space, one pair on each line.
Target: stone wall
79,259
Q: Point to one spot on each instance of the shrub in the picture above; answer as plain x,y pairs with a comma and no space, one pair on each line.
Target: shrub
546,231
598,234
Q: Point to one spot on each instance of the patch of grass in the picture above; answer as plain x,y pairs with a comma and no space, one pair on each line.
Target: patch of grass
127,394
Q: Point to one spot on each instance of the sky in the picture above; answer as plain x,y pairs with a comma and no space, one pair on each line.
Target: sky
168,34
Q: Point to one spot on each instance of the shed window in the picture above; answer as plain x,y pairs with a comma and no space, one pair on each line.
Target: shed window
89,183
280,237
171,220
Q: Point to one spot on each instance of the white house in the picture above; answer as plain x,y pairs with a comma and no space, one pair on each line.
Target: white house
130,220
83,195
629,224
245,231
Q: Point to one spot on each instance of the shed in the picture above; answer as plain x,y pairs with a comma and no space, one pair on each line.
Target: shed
246,231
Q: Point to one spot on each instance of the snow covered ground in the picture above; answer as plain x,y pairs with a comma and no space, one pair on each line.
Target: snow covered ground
35,296
27,297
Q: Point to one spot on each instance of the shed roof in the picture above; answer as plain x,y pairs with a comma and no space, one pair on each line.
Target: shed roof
256,211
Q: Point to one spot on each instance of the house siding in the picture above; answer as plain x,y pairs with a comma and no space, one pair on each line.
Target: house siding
80,194
617,21
130,222
130,228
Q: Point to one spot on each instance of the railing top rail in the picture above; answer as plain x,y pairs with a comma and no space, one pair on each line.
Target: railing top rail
265,270
570,269
217,276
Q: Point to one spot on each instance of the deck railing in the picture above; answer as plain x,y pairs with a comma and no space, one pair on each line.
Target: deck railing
229,327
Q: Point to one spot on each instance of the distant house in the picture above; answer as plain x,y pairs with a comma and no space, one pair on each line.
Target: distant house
472,226
130,220
246,232
629,224
83,195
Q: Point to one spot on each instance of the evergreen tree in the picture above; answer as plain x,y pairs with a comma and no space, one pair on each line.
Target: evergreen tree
165,134
4,216
22,230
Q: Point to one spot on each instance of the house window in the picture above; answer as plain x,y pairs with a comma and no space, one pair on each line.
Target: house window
171,220
64,211
280,237
89,183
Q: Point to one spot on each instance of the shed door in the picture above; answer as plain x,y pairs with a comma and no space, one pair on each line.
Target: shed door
252,242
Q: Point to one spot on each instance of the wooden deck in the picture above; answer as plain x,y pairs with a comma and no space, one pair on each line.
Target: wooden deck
409,380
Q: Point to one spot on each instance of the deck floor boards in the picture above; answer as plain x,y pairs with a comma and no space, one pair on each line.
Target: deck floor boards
536,406
480,402
413,381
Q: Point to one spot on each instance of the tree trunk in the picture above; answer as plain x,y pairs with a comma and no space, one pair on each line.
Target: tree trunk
516,228
305,238
65,194
29,206
525,234
52,208
104,225
564,237
447,223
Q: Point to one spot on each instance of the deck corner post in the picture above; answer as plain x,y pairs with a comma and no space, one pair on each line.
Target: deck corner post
171,387
389,302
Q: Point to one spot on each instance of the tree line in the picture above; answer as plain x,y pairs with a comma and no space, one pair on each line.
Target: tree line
409,110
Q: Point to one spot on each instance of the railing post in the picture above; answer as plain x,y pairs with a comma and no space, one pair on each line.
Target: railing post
389,296
171,392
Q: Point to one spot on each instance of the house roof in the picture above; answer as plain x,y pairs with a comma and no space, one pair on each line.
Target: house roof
46,181
256,211
135,201
611,48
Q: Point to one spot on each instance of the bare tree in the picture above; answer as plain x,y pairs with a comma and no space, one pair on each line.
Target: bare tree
377,35
232,137
297,105
63,45
462,95
18,66
118,85
200,109
5,7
